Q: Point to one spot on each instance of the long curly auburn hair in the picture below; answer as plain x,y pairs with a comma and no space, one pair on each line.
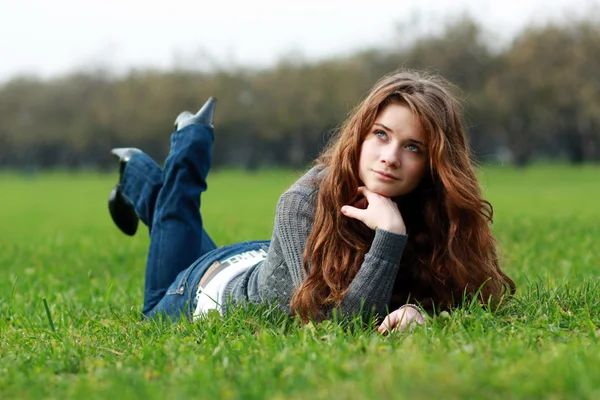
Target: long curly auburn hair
451,252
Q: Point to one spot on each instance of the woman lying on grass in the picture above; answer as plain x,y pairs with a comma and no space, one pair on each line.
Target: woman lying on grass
390,218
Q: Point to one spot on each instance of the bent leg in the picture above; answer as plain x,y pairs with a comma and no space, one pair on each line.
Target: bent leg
177,237
141,181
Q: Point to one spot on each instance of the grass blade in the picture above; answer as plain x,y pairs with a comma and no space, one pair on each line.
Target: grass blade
48,314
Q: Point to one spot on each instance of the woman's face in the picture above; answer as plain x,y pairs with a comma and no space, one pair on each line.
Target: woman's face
393,156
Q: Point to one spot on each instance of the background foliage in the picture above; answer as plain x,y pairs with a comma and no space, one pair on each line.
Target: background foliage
537,98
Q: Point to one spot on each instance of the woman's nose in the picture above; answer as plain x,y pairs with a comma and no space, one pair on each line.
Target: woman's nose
391,156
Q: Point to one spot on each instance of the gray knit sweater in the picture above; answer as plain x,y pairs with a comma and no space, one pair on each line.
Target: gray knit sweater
281,273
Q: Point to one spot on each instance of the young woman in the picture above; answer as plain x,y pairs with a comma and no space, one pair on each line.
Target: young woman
390,216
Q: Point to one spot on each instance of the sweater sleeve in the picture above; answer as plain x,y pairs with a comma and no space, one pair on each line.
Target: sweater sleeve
373,285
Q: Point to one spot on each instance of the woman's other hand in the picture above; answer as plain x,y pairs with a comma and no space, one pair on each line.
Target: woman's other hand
381,212
401,319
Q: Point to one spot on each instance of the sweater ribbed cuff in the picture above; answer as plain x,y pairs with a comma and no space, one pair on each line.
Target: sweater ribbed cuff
388,246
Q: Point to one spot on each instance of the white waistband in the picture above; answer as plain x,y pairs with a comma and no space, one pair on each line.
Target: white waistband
211,297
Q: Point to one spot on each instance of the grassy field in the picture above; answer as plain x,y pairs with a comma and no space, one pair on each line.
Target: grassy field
58,247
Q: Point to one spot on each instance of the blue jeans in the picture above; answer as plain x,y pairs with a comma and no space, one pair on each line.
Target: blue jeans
167,200
180,297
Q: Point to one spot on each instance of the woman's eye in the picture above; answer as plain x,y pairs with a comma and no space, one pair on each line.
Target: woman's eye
413,148
381,134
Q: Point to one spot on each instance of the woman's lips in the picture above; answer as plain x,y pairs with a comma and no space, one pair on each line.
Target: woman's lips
385,176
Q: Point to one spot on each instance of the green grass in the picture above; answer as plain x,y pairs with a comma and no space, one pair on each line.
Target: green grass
57,243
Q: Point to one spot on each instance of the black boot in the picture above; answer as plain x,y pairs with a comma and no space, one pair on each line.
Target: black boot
204,116
121,210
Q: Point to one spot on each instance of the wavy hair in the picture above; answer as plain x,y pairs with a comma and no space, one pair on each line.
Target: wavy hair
451,252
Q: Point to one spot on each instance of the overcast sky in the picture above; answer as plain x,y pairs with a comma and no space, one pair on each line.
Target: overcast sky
50,38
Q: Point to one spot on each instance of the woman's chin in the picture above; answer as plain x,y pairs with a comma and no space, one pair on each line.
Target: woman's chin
383,190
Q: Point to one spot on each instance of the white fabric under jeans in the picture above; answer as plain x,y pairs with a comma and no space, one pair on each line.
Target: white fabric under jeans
211,296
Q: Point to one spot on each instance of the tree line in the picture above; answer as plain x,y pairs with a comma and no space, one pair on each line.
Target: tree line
537,98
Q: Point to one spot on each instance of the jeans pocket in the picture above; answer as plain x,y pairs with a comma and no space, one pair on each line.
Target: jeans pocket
181,282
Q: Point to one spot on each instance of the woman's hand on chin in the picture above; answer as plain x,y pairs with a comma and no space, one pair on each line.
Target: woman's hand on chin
381,212
404,317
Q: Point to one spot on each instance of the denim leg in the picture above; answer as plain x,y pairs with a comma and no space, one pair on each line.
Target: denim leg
177,237
141,181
